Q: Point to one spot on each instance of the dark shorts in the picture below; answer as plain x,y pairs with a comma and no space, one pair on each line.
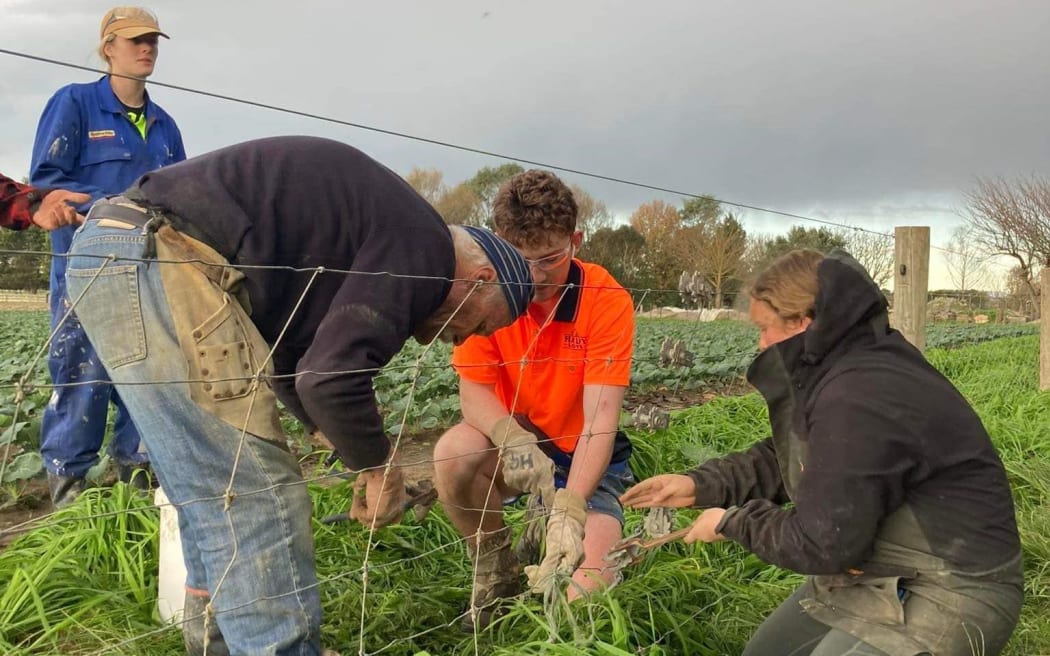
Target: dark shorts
618,476
606,499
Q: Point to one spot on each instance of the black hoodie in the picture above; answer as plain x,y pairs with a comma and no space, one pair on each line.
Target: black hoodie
870,443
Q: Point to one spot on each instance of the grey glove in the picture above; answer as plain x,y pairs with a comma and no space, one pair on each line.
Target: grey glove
525,466
564,542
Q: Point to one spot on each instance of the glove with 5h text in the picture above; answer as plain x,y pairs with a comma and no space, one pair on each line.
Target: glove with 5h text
525,467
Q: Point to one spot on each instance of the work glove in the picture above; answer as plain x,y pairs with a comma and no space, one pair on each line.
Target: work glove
564,542
379,497
530,544
525,466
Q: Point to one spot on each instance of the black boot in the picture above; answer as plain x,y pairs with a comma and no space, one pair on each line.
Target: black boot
137,475
64,489
198,622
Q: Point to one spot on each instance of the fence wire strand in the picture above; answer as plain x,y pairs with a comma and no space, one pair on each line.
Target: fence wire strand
258,377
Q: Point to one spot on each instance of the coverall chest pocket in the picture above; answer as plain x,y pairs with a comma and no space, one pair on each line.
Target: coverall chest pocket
112,150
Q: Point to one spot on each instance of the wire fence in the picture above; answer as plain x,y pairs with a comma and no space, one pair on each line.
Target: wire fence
229,495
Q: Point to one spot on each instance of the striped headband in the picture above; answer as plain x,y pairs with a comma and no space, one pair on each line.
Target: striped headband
511,268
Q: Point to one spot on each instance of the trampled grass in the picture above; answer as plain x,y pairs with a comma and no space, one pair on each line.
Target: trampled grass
86,582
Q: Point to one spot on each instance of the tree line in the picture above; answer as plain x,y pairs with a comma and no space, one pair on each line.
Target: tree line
649,254
699,237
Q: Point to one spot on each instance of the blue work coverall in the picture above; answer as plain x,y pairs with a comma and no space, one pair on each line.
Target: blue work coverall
86,143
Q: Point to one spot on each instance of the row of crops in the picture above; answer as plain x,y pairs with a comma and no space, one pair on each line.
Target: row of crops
419,389
721,350
85,581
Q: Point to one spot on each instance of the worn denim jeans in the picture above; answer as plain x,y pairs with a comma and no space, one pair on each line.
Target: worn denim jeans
255,558
74,421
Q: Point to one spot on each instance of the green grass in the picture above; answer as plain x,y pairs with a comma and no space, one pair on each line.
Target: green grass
83,584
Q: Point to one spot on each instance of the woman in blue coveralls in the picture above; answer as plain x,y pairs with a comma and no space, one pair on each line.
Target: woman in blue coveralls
96,138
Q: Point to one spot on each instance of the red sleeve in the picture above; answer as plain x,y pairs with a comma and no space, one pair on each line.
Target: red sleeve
16,200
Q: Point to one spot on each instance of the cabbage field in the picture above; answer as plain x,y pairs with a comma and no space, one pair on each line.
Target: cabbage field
84,580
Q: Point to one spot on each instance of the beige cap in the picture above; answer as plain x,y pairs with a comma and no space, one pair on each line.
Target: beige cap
130,22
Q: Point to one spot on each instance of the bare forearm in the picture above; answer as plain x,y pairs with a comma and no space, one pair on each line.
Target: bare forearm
601,416
480,406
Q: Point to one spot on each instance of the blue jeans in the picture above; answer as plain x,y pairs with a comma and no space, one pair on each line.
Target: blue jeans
74,422
255,558
606,498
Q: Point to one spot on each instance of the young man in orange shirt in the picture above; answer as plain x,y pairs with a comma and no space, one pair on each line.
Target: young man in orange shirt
541,403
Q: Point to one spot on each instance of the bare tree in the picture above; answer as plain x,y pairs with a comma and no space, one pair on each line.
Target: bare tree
1013,219
717,248
755,256
873,250
593,215
459,205
966,260
429,183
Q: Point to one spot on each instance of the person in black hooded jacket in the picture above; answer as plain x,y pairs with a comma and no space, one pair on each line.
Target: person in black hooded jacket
879,482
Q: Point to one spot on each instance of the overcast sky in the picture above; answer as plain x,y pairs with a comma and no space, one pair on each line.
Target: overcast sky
876,113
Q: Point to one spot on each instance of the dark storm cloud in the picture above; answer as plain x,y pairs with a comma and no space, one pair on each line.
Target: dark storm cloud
823,106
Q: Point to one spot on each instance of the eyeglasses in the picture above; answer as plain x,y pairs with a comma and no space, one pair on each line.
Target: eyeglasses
551,261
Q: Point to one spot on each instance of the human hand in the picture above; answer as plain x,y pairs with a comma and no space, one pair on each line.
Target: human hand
56,209
525,467
670,490
564,548
703,529
379,497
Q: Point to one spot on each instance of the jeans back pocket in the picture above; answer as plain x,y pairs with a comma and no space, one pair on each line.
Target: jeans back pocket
108,305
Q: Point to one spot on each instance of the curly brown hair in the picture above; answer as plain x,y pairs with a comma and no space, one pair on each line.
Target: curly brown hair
533,206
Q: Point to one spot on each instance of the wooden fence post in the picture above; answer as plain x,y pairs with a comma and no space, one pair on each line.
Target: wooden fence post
1044,329
911,276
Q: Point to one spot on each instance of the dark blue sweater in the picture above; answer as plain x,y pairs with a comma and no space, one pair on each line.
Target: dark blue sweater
306,203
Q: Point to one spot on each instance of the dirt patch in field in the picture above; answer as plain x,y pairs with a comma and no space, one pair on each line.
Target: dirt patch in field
33,501
671,400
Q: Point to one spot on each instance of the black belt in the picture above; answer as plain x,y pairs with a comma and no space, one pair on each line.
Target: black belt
122,209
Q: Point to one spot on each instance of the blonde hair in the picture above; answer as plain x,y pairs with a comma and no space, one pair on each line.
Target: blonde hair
789,285
115,13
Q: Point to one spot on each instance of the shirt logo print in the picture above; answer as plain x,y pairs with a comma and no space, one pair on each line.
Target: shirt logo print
574,342
95,135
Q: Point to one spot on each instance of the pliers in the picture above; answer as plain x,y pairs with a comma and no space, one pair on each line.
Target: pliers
630,551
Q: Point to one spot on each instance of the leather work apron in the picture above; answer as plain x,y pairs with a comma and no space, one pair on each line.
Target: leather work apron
224,351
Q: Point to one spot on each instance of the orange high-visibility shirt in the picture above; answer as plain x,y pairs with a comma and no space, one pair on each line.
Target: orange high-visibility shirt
589,341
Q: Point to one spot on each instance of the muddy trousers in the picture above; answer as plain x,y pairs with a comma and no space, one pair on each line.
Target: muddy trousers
251,548
790,632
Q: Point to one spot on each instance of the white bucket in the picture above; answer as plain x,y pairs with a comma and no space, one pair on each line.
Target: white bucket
171,587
